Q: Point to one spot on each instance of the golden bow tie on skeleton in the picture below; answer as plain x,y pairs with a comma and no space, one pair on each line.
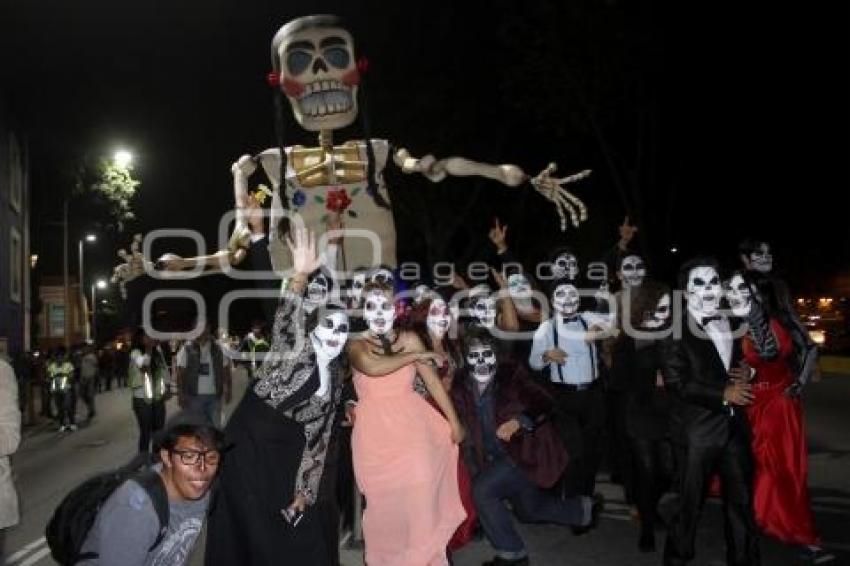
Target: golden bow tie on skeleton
316,76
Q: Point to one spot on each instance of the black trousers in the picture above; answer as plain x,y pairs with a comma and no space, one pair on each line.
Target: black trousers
150,418
66,405
696,464
87,392
653,473
580,420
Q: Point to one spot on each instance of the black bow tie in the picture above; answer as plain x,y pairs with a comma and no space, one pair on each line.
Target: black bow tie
568,319
706,319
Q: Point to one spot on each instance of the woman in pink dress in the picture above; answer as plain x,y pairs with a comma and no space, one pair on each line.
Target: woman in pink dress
405,453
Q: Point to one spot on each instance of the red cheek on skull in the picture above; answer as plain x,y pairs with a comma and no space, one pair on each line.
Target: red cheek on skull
292,87
351,78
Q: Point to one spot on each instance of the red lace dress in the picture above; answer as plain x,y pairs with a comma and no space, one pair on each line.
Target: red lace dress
781,495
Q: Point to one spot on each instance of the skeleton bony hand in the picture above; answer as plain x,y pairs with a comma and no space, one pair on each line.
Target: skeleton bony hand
552,188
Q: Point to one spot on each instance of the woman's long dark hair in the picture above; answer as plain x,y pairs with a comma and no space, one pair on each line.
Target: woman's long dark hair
645,300
768,296
280,109
418,324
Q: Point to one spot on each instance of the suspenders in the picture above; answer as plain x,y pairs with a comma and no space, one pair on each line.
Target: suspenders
590,348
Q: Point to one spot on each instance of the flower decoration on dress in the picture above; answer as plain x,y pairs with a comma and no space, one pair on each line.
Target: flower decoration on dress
299,198
261,194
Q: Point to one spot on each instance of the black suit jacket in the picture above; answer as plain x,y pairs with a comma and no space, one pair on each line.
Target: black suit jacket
695,374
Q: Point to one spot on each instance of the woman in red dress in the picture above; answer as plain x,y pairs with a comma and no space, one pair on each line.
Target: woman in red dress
781,496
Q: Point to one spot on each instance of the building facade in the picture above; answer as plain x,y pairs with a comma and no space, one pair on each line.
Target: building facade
15,299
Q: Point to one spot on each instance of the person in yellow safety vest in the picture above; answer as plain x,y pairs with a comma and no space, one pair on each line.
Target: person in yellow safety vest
60,374
147,375
256,346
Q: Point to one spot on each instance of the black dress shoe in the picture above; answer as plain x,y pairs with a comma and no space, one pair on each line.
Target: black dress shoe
646,542
507,562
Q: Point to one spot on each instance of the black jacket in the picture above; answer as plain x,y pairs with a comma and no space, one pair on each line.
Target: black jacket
694,373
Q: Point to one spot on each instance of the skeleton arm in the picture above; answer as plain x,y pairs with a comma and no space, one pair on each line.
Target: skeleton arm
552,188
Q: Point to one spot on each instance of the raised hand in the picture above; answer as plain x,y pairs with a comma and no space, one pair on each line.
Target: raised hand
303,248
552,188
498,235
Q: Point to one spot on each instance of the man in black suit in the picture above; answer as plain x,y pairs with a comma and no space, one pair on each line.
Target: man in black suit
710,430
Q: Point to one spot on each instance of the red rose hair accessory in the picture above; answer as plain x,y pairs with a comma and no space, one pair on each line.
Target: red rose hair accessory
363,65
273,79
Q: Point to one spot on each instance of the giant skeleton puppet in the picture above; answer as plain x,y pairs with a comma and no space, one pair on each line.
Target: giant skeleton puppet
315,70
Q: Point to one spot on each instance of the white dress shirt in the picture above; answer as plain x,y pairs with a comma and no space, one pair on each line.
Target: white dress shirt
581,365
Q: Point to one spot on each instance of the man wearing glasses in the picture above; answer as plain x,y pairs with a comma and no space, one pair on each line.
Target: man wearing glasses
129,530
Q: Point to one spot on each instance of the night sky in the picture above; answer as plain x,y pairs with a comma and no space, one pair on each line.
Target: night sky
706,121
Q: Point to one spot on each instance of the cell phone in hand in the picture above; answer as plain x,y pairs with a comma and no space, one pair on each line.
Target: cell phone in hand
293,517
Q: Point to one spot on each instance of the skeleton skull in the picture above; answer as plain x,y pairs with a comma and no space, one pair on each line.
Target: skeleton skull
761,259
481,362
484,311
661,314
632,271
703,290
381,275
439,317
330,335
379,312
739,295
318,291
565,299
314,57
357,284
565,265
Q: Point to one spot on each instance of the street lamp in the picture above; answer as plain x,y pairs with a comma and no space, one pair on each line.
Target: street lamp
123,158
100,284
89,238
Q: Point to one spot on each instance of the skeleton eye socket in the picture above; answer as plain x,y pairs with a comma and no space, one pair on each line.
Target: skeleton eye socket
487,354
337,56
662,310
714,281
370,306
343,328
560,294
699,282
328,323
387,306
297,61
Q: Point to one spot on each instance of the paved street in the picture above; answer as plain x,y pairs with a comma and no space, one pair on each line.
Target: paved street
48,465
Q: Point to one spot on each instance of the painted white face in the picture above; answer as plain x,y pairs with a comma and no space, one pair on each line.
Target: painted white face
318,290
319,76
565,299
565,265
739,296
439,317
382,275
518,286
661,314
703,290
481,363
761,259
330,335
357,284
484,311
379,312
421,293
632,271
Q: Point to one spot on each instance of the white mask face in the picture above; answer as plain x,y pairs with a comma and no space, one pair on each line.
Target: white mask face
439,317
330,335
565,265
565,300
703,290
481,363
421,293
632,271
484,310
379,312
318,290
661,314
761,259
518,286
357,283
382,275
739,296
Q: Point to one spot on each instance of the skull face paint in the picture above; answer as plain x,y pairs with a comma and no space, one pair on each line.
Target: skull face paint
382,275
661,314
520,290
318,291
565,299
330,335
379,312
439,317
565,266
632,271
703,290
318,73
484,311
761,259
481,363
357,284
738,295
